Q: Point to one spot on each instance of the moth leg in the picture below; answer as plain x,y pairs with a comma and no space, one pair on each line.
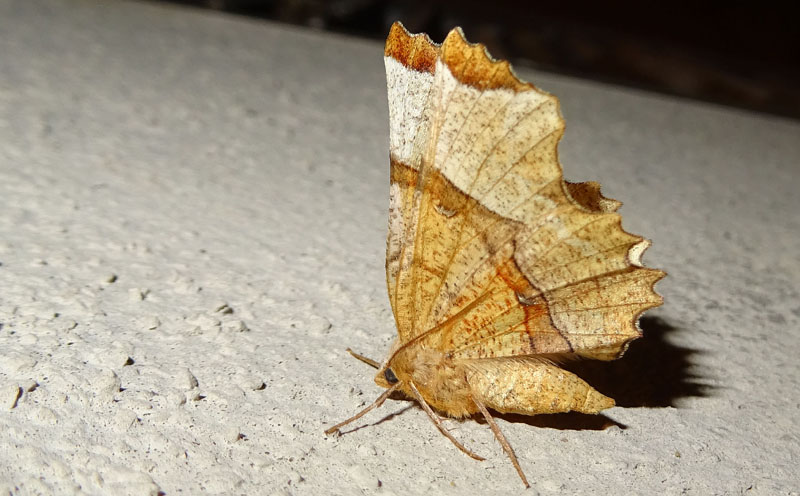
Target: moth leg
368,361
438,421
363,412
502,440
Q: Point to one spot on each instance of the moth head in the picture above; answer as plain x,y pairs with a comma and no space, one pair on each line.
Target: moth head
386,377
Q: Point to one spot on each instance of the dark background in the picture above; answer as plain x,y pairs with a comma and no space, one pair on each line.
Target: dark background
744,54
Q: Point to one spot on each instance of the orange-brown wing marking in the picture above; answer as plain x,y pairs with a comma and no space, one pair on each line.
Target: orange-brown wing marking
415,51
511,322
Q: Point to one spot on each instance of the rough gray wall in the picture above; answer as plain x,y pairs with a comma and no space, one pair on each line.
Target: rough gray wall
192,231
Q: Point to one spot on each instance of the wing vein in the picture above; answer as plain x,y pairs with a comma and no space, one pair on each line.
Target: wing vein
468,213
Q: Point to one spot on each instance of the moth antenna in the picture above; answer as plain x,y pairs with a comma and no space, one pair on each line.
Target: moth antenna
368,361
436,420
363,412
502,440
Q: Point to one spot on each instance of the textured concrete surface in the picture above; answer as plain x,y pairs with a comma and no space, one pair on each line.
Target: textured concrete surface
192,231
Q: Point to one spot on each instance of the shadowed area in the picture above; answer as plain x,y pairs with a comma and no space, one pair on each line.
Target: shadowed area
654,372
383,419
573,421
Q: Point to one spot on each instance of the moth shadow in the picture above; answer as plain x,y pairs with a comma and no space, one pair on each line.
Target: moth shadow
654,373
572,421
385,418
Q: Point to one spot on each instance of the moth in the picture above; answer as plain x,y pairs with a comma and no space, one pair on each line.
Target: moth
497,268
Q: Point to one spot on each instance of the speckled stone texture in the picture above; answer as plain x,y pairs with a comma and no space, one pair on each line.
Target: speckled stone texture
192,231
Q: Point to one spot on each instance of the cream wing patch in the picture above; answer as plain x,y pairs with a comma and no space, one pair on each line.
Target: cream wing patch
409,112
